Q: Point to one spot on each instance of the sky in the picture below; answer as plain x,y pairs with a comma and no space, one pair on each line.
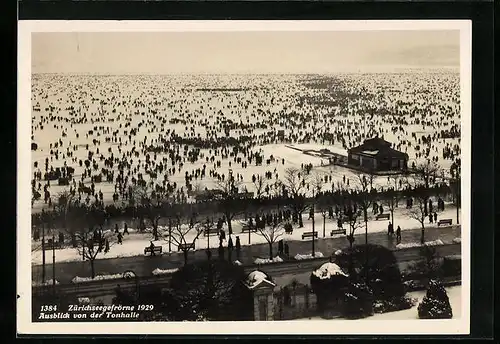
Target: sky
241,52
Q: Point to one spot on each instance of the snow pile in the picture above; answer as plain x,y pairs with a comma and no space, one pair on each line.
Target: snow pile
457,240
78,279
83,300
338,252
159,271
276,259
437,242
237,262
255,278
308,256
327,270
47,282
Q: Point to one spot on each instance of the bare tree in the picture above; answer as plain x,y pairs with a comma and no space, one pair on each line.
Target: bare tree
153,202
294,183
419,211
85,225
425,175
230,203
364,197
354,223
185,234
393,193
260,185
271,233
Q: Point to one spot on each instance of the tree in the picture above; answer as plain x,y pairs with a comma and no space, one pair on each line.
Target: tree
425,175
86,223
230,203
185,235
153,203
365,195
455,181
435,304
210,290
294,184
260,185
393,194
419,211
353,222
271,233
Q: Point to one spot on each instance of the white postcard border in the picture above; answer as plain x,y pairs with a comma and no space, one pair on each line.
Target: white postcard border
350,327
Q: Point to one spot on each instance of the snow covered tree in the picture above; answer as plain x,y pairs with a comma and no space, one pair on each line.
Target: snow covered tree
392,194
419,210
272,233
294,183
210,290
425,175
358,301
435,304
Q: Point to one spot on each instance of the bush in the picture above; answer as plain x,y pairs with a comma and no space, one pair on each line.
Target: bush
358,302
435,304
394,304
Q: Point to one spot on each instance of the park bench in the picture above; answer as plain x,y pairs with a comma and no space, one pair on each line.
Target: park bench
213,231
156,250
247,228
337,231
309,234
382,216
183,247
447,222
49,245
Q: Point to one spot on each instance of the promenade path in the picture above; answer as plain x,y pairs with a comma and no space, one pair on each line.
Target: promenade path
143,266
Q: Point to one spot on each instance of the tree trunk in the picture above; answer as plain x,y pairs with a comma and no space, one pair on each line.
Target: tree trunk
313,252
301,223
271,250
155,230
185,257
229,226
92,267
324,225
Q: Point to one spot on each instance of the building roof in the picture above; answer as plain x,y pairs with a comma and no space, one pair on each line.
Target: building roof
377,147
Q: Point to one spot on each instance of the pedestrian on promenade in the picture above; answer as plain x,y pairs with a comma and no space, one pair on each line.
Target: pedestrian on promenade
116,228
339,223
125,229
230,247
238,247
431,218
120,237
221,251
398,234
435,217
280,247
152,247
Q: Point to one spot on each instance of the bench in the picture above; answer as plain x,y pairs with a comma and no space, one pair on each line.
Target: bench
210,232
156,250
246,229
382,216
183,247
337,231
445,222
49,245
309,235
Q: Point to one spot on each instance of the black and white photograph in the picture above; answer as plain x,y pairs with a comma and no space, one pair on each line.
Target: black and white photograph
221,177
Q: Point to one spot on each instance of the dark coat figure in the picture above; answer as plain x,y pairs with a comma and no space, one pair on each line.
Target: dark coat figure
238,247
120,238
125,229
390,229
431,218
61,238
330,212
435,217
381,208
230,247
116,228
337,210
222,236
152,247
280,247
221,252
398,234
339,223
287,250
106,246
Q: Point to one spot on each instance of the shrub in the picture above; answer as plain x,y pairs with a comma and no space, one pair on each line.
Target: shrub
358,302
435,304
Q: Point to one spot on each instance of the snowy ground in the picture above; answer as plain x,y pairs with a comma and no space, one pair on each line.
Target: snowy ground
367,105
134,244
454,294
